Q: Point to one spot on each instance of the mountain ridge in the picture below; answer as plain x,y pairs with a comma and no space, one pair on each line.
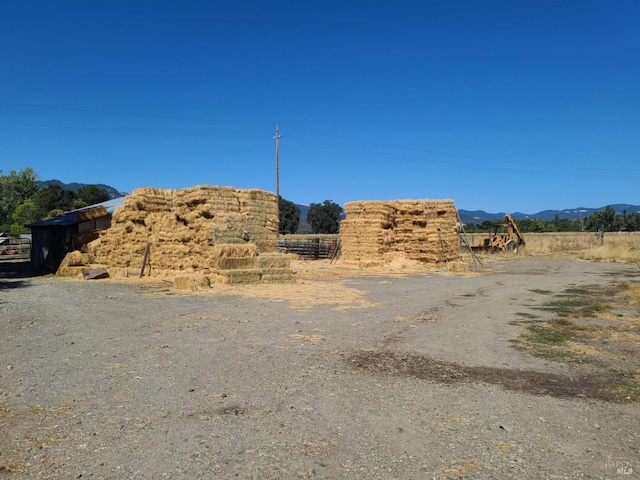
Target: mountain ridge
479,216
113,193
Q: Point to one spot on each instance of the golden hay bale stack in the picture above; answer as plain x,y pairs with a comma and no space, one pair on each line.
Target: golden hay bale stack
200,229
422,230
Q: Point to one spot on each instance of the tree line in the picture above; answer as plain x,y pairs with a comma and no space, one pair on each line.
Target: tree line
605,220
23,201
322,217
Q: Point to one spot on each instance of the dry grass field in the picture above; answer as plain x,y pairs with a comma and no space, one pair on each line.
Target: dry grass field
615,246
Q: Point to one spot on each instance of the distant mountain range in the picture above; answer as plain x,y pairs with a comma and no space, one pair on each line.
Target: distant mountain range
479,216
466,216
113,193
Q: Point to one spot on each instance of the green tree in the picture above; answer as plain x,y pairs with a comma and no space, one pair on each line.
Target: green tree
54,197
15,188
325,217
289,216
25,213
602,219
633,222
92,194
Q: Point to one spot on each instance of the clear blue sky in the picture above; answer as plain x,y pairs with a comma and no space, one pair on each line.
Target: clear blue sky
498,105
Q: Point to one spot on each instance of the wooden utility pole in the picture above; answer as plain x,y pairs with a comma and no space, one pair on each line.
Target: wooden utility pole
277,138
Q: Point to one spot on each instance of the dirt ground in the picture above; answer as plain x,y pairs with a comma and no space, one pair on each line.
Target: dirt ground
403,374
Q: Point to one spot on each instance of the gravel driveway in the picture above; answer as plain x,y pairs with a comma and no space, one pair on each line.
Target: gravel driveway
106,380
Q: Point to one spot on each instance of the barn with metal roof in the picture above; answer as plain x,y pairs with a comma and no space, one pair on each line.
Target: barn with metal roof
52,239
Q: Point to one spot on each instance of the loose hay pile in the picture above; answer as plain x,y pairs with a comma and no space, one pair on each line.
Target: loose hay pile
419,230
226,234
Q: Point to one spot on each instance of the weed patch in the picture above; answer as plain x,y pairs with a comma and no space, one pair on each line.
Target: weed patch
581,332
540,291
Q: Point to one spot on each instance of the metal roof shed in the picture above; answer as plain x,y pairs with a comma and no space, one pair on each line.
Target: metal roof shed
52,239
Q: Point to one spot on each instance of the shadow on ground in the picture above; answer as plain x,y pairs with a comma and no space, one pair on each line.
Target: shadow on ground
14,273
527,381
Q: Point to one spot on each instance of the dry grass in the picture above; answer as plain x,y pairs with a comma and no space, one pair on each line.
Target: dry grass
616,247
618,250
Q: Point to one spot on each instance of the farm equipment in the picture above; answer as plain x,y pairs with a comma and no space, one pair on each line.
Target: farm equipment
505,237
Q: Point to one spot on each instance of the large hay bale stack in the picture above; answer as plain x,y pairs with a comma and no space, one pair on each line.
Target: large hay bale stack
204,229
420,230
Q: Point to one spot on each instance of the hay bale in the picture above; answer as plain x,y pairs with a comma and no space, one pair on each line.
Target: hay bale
273,260
421,230
74,259
234,250
233,263
239,276
75,271
91,213
201,229
458,267
277,275
191,282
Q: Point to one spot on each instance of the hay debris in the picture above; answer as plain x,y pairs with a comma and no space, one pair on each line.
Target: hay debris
191,282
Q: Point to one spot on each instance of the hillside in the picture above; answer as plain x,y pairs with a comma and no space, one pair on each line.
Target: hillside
479,216
113,193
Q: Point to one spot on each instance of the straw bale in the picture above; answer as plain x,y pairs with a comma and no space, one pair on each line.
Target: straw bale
233,263
202,229
91,213
253,275
234,250
274,260
277,275
70,271
93,245
191,282
74,258
237,276
420,230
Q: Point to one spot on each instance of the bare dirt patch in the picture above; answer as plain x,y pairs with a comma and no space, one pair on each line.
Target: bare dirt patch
369,376
526,381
